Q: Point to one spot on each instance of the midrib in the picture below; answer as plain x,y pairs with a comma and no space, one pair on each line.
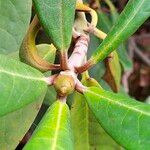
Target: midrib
120,104
118,34
21,76
57,128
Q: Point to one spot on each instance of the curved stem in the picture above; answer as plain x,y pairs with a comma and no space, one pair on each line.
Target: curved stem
92,12
100,34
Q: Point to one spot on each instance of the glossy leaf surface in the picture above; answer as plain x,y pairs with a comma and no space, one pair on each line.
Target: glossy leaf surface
122,50
105,23
57,17
54,131
88,133
20,85
15,16
125,119
132,17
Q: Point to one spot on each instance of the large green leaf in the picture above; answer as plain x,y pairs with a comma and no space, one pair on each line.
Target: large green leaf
15,17
125,119
14,125
134,14
122,52
11,128
105,24
54,131
89,135
20,85
57,17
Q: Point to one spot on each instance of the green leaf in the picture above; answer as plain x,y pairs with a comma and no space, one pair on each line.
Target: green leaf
14,125
124,59
122,53
105,24
47,52
20,85
99,69
54,131
57,17
112,75
113,11
88,133
125,119
134,14
11,128
50,96
15,16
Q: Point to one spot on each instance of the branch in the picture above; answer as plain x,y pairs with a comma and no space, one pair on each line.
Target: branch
79,52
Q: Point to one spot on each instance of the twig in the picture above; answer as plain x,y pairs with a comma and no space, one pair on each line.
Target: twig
79,53
64,60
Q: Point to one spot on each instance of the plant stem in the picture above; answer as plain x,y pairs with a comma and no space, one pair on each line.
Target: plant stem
64,60
100,34
79,53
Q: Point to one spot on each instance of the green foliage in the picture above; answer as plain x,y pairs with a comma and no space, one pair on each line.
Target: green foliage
57,19
134,14
125,119
105,23
11,126
13,76
14,126
54,131
23,88
88,133
122,52
15,16
99,69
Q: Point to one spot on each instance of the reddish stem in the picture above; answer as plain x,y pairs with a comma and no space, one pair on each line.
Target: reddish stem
85,66
64,60
79,53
